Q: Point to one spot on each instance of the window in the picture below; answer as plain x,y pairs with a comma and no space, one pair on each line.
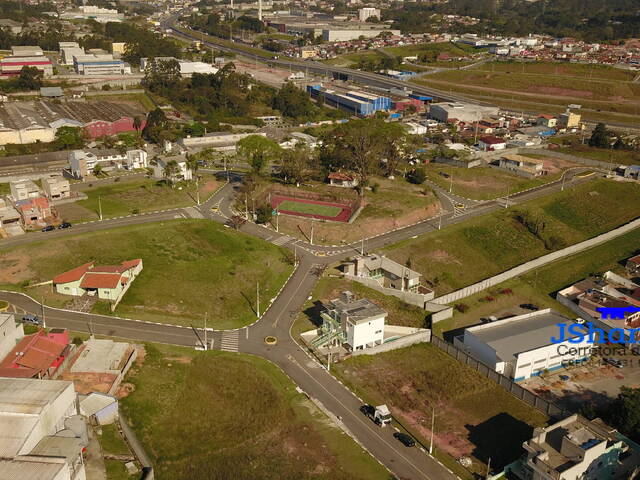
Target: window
524,365
378,331
542,360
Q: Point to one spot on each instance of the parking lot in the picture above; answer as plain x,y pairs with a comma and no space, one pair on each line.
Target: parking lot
594,382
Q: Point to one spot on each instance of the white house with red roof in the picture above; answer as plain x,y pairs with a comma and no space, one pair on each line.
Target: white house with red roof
491,143
107,282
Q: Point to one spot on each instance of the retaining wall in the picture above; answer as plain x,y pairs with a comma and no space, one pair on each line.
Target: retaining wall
538,262
420,336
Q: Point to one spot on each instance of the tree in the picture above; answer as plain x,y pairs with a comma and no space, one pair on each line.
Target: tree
69,137
30,78
625,412
293,102
156,123
137,123
417,176
169,171
258,151
264,213
600,136
296,164
356,145
395,145
97,170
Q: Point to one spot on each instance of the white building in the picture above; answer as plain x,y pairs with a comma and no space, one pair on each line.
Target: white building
100,64
183,172
521,347
463,112
415,128
10,333
217,140
368,12
82,162
576,448
491,143
524,166
56,187
24,189
100,15
342,35
357,323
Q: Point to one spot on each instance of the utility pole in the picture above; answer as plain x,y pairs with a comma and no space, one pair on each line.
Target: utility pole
506,200
277,216
311,232
440,220
206,344
488,467
562,188
451,181
44,320
258,299
295,255
99,207
362,247
433,425
197,191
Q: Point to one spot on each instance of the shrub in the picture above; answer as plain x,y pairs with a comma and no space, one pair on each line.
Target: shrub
417,176
264,214
506,291
77,341
375,187
135,211
461,307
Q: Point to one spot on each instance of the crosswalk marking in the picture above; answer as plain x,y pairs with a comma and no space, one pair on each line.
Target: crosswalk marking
282,240
229,341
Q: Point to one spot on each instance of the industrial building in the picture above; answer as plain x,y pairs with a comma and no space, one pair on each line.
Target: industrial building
187,68
367,12
357,102
521,347
217,140
68,50
91,12
100,64
462,112
331,31
41,434
32,121
13,64
573,448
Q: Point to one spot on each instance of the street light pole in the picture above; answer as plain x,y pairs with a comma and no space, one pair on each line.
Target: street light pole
433,425
44,320
258,299
100,207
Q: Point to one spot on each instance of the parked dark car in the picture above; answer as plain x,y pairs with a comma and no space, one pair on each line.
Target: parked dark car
405,439
444,174
64,225
614,362
529,306
31,319
48,228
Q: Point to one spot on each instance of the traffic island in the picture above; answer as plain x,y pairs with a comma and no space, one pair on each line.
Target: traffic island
270,340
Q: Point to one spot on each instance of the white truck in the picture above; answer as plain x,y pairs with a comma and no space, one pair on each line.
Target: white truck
380,414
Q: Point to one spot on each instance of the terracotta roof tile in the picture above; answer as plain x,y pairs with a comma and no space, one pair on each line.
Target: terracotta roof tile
73,275
100,280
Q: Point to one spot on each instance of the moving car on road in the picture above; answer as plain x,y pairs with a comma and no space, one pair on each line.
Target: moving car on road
48,228
64,225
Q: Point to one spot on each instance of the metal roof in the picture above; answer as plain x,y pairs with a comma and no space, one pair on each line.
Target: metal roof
14,432
512,336
33,470
29,396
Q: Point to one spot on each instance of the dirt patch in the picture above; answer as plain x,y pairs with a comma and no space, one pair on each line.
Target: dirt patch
443,256
562,92
14,268
141,354
125,389
86,382
209,187
184,360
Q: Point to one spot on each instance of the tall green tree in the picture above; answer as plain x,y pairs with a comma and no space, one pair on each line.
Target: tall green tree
625,412
297,164
30,78
258,151
600,137
293,102
70,137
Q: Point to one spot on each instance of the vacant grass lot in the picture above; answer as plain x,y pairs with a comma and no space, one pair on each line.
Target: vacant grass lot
112,443
541,285
126,198
190,267
484,246
482,183
394,203
213,415
473,416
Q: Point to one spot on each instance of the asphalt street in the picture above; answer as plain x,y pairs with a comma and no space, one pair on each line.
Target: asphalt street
305,371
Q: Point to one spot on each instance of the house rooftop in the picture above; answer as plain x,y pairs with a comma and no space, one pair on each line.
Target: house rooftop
512,336
356,310
33,469
375,262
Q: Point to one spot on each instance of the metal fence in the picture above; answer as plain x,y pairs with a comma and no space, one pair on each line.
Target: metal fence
346,197
509,385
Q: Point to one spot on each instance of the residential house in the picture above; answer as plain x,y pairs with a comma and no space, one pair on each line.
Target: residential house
491,143
9,216
34,211
345,180
56,187
632,172
523,166
24,190
182,171
547,121
10,25
37,356
386,272
358,324
568,120
414,128
520,347
82,162
633,266
575,448
108,282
